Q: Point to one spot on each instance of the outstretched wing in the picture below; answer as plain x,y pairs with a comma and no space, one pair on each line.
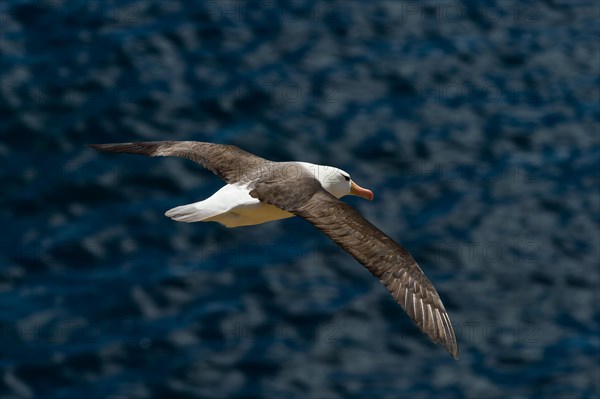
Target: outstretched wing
381,255
229,162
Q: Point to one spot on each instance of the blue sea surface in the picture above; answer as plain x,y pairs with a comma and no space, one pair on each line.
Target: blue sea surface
476,124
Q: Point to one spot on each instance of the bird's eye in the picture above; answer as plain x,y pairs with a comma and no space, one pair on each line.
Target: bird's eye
347,178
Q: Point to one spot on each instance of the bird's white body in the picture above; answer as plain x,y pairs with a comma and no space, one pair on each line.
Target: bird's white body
232,205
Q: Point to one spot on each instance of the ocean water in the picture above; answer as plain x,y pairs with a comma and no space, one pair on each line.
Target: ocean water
476,124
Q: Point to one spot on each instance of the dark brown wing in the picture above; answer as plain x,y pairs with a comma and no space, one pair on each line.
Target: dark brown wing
381,255
226,161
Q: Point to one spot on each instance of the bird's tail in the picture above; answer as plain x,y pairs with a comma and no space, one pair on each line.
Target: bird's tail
191,213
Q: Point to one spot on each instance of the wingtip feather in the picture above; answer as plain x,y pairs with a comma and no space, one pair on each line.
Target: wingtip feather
142,148
110,147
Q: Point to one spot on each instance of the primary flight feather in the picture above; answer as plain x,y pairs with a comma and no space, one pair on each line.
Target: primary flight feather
259,191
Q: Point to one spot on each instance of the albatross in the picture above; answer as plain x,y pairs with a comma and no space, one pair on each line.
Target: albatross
259,191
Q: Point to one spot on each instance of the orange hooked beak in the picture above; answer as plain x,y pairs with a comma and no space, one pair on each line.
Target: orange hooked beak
357,190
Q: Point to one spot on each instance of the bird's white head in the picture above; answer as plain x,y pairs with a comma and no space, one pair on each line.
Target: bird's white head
337,182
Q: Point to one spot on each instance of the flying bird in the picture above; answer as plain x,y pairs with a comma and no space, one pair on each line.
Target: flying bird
259,191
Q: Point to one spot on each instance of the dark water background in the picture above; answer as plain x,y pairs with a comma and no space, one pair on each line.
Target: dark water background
475,124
